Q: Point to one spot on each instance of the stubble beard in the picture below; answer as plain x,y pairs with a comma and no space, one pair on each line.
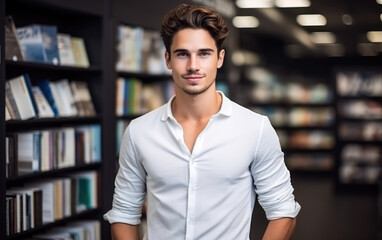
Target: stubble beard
193,92
188,89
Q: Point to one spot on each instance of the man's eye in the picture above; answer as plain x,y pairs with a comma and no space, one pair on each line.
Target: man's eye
205,53
182,54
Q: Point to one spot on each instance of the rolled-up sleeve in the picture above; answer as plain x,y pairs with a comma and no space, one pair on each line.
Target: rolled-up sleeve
271,177
129,190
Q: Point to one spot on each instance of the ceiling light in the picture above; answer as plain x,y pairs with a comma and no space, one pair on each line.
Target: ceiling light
374,36
323,37
347,19
367,49
379,1
245,22
292,3
254,3
311,20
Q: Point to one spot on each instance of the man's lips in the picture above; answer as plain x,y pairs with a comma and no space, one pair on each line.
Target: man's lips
193,78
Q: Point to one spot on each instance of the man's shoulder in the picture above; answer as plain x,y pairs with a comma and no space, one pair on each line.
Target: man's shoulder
149,117
242,111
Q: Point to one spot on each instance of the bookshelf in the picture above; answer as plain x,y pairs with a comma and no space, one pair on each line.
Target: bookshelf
359,133
96,22
300,108
89,21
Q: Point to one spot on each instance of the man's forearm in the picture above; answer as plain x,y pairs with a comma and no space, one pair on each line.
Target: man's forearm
280,229
122,231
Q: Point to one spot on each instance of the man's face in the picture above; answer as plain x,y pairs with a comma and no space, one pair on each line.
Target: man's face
194,60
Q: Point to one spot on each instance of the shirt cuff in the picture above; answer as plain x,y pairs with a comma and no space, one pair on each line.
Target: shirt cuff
114,216
289,209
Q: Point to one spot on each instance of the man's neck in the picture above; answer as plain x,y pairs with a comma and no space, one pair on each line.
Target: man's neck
196,107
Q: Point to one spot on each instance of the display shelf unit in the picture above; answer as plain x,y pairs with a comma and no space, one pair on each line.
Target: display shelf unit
308,146
300,108
85,19
359,132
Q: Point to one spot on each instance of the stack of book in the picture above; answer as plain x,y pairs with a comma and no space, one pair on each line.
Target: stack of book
44,44
140,50
44,150
41,202
62,98
135,97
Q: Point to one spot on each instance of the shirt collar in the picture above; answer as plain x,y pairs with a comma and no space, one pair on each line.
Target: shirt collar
226,108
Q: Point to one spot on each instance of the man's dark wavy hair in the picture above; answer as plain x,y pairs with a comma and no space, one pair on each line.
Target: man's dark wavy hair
196,17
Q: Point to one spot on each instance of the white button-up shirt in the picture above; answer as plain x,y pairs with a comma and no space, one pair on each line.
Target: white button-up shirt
206,194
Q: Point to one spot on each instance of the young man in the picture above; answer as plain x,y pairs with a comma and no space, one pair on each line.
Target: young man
201,158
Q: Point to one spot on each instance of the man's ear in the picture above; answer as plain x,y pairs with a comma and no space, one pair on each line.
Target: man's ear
221,58
167,59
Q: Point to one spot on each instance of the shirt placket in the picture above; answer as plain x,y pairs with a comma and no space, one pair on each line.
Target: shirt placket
192,186
190,221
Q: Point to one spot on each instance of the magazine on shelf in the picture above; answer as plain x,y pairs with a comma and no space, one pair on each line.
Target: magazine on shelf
39,43
65,50
80,54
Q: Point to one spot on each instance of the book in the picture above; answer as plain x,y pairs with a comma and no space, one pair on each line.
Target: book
8,216
120,129
19,87
62,107
86,187
32,203
13,50
12,154
95,147
67,148
32,47
67,105
44,108
46,150
86,150
48,196
152,53
80,54
16,211
129,48
83,99
45,88
39,43
10,102
30,92
120,96
29,152
65,49
66,196
7,114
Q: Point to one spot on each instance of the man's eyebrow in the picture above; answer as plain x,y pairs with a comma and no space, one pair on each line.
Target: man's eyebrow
199,50
206,50
180,50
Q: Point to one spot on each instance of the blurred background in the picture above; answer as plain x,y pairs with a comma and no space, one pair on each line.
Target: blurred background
314,67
